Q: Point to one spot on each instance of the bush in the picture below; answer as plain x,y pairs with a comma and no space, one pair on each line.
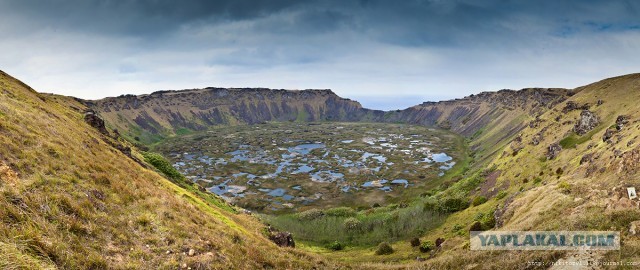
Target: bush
537,179
162,164
501,194
415,242
426,246
450,205
564,187
478,200
340,212
384,248
310,214
486,222
336,246
352,224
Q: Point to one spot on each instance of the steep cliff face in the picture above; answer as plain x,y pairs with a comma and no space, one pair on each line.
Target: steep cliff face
165,113
488,119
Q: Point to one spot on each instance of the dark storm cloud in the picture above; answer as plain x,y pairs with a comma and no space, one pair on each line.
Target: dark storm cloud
407,23
361,48
139,16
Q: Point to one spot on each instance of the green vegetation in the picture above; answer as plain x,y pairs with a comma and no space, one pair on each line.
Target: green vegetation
501,194
336,246
163,165
366,228
384,248
564,187
415,242
70,199
478,200
426,246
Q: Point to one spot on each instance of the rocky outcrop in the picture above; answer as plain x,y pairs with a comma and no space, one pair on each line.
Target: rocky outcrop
282,239
588,121
95,121
166,113
468,115
621,121
553,150
629,162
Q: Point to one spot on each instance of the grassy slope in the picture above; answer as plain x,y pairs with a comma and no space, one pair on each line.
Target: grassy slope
70,200
537,196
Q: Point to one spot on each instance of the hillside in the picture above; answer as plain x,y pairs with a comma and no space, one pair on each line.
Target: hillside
73,197
76,196
489,119
149,118
567,170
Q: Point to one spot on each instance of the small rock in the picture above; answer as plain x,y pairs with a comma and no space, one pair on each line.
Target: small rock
191,253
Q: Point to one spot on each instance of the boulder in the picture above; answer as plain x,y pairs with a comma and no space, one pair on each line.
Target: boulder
95,121
621,121
439,242
553,150
283,239
608,135
570,106
588,158
586,123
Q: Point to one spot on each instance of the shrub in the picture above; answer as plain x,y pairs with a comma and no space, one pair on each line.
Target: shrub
162,164
501,194
336,246
537,179
487,221
475,226
384,248
310,214
564,187
415,242
450,205
352,224
340,212
478,200
426,246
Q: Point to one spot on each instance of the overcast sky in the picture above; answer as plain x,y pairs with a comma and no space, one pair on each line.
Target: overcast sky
385,54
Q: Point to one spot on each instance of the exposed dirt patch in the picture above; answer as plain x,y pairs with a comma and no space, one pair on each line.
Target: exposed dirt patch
488,188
